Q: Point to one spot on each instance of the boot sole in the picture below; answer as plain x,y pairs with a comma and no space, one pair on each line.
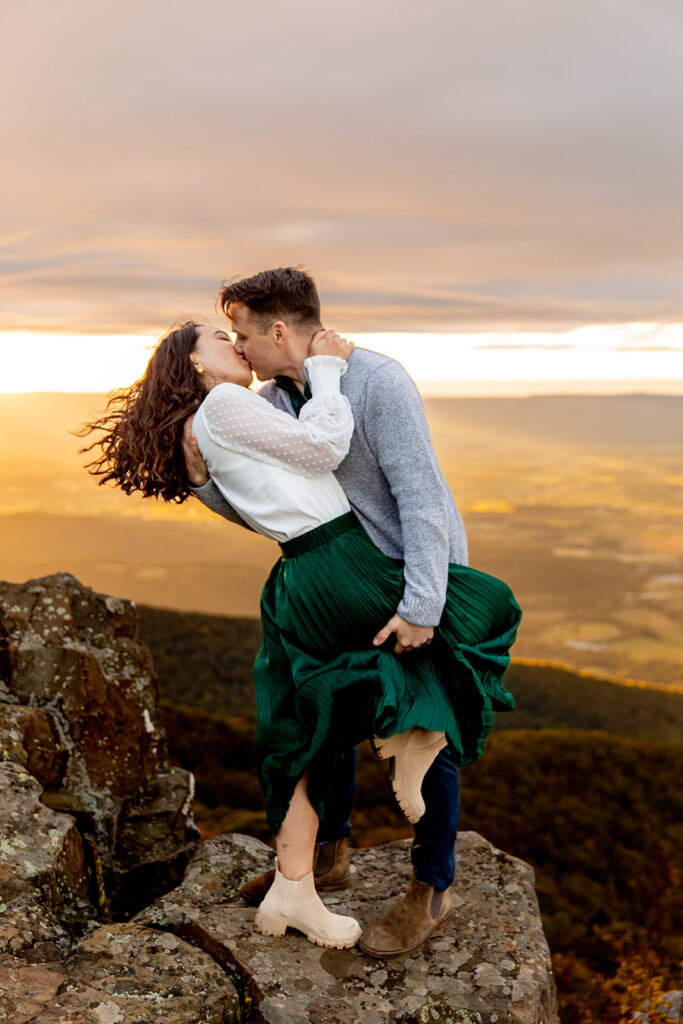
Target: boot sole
411,815
388,769
334,885
387,750
387,955
277,928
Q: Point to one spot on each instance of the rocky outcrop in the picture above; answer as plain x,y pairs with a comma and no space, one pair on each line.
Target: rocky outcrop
79,709
41,853
490,964
121,974
94,823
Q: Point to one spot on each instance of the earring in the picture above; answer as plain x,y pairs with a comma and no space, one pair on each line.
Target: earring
200,369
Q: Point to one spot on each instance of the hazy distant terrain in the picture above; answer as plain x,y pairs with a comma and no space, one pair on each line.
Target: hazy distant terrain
576,501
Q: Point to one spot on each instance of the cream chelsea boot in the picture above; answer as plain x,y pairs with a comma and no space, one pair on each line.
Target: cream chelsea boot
413,752
296,904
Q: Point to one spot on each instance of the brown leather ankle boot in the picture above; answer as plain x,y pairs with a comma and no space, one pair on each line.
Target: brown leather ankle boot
420,913
331,871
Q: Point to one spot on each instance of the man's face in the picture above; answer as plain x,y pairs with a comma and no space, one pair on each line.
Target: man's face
258,348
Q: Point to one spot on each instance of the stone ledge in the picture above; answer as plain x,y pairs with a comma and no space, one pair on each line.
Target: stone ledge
120,974
490,965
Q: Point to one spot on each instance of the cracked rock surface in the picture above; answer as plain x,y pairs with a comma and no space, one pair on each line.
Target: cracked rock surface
41,853
120,974
490,965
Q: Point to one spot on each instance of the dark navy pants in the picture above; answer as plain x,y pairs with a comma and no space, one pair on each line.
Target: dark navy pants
433,853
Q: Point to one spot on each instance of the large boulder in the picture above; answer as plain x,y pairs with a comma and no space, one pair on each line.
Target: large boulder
79,709
41,853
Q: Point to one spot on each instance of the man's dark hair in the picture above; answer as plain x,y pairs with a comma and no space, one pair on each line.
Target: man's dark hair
285,293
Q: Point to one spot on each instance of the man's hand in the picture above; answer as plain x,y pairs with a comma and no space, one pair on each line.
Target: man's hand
197,473
408,636
328,343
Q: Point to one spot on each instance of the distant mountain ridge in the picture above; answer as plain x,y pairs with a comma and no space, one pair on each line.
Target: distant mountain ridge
592,421
602,420
641,684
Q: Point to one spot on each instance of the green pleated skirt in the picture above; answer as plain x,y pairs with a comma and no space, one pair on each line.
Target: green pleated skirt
321,686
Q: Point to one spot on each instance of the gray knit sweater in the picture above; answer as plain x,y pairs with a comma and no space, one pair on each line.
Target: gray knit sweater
392,479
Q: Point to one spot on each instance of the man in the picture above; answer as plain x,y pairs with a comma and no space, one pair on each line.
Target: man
395,486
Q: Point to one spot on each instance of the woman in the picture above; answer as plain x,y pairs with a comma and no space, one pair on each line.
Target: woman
321,686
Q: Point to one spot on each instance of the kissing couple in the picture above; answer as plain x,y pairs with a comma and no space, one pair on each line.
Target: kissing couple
373,624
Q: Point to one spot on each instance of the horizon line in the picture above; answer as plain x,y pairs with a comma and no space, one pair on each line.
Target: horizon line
599,388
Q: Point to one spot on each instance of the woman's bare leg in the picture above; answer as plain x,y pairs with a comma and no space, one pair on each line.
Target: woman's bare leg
295,841
291,901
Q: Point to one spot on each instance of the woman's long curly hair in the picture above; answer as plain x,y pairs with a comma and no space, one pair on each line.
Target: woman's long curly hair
142,427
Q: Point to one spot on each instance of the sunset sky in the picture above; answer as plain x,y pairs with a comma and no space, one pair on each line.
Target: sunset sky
479,171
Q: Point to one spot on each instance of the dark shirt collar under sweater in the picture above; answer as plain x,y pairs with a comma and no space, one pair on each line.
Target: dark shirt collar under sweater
288,385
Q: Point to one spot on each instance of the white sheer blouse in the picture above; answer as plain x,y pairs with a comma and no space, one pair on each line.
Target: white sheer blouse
275,470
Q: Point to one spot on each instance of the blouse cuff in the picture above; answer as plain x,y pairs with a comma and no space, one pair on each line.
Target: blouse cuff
324,373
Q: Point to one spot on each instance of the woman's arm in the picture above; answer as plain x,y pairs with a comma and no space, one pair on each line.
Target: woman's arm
238,420
200,483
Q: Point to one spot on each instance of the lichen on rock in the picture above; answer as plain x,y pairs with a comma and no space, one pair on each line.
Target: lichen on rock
491,962
79,708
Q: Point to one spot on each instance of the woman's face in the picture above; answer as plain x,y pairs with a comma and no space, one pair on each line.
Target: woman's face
215,354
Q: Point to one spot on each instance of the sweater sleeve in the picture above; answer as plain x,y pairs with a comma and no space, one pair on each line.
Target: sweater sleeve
397,431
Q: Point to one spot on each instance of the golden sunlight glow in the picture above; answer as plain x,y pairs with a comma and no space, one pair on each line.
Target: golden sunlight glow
611,358
61,362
